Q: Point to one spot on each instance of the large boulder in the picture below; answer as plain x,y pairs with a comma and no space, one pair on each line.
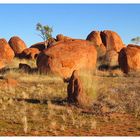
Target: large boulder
112,40
129,58
95,37
61,37
65,57
43,45
17,44
108,43
29,53
40,46
6,53
111,58
133,45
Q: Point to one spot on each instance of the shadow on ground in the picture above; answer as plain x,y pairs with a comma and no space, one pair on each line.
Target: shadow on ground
6,70
37,101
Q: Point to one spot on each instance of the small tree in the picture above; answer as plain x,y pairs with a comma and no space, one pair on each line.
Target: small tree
136,40
45,32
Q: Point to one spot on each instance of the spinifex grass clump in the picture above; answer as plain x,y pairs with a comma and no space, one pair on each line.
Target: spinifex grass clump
89,83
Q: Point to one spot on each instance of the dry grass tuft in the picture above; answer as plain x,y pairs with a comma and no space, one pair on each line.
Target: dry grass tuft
90,84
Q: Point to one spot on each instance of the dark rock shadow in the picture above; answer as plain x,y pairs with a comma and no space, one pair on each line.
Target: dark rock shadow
106,67
61,102
6,70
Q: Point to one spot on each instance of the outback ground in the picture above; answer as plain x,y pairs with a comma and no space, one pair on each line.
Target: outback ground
35,104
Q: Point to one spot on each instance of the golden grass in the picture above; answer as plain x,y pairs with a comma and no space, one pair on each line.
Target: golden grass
15,63
38,103
90,83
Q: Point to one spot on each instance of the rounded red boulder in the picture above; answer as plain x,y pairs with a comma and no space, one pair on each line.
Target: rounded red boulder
6,53
129,58
29,53
17,44
65,57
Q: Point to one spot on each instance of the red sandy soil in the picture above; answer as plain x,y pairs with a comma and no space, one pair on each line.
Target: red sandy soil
114,124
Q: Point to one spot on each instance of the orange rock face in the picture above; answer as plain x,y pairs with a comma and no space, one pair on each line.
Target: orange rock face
61,37
17,44
65,57
111,58
43,45
29,53
129,58
6,53
132,45
112,40
40,46
107,44
95,37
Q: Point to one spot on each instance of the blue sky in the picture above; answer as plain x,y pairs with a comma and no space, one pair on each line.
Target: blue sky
74,20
